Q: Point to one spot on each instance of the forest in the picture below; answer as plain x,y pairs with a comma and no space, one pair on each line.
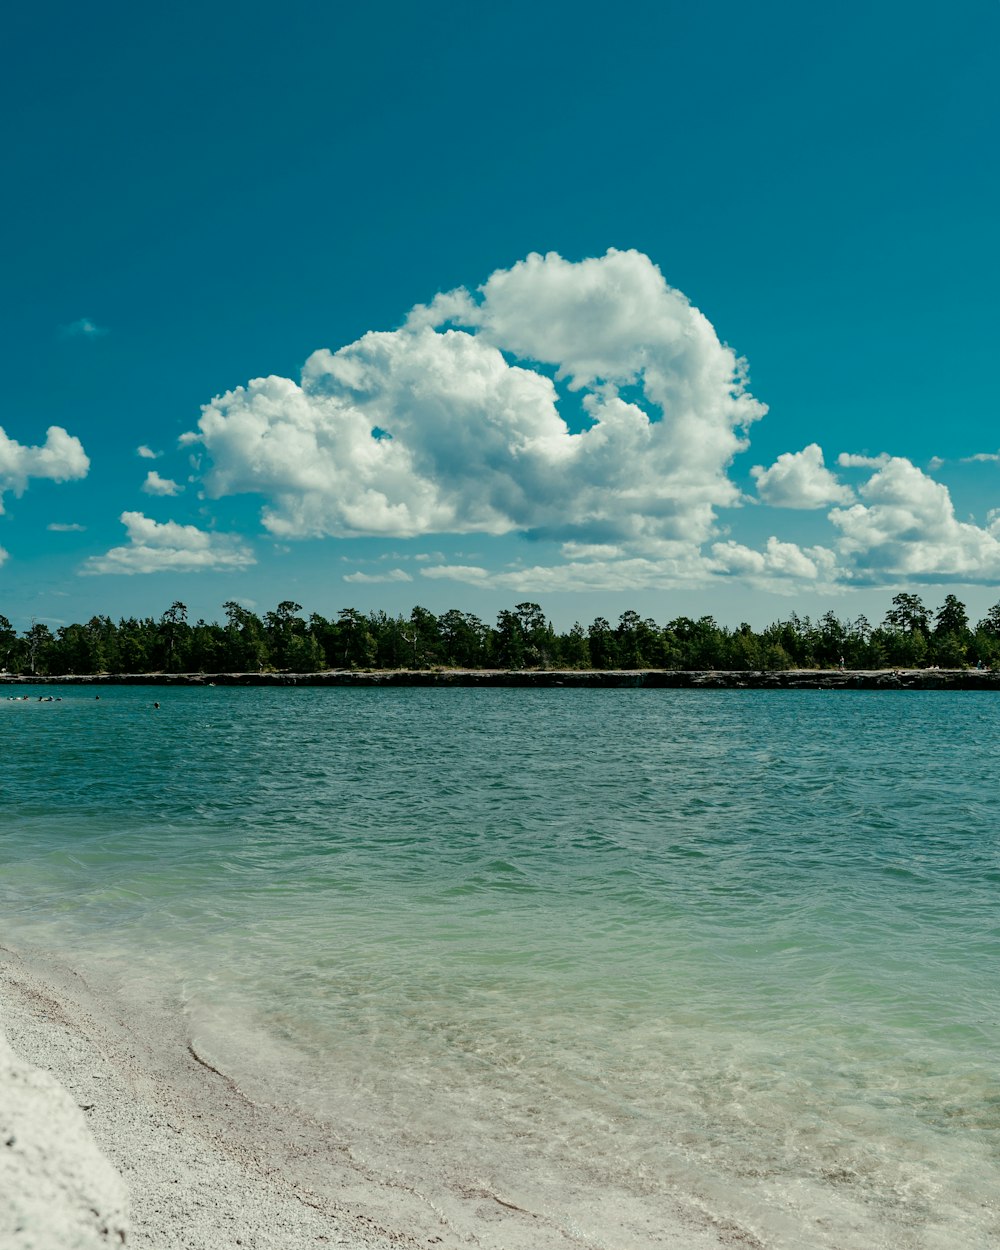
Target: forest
911,635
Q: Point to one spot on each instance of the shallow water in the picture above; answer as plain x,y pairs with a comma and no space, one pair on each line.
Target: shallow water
595,951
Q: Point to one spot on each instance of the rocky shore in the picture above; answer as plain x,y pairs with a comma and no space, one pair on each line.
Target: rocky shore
613,679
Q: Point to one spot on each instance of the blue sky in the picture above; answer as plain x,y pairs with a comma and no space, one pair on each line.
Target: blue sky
597,215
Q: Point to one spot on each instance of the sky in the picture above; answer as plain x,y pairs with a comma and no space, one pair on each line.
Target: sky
681,308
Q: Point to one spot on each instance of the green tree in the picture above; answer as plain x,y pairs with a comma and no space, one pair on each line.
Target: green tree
952,618
908,614
175,638
602,643
951,638
464,639
246,648
422,638
508,641
38,645
9,647
574,649
536,633
635,641
355,644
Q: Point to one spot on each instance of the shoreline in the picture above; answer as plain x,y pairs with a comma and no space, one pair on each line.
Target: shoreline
203,1164
583,679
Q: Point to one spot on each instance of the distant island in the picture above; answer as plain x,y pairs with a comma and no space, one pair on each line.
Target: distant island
522,648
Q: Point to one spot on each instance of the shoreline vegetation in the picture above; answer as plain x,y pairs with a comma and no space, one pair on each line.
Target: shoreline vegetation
285,646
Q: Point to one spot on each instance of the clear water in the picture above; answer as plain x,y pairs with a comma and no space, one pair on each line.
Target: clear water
593,951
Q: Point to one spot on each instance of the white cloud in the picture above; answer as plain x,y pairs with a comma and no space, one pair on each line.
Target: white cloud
59,527
985,457
800,479
478,443
60,458
779,560
590,551
156,485
154,547
83,328
459,422
847,460
4,554
391,575
458,572
147,453
666,565
907,528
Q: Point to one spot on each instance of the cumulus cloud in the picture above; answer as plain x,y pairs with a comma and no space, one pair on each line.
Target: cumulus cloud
156,485
585,403
453,423
155,547
147,453
906,528
800,479
60,458
779,560
391,575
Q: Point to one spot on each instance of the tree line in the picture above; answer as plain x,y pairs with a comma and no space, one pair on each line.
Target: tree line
910,636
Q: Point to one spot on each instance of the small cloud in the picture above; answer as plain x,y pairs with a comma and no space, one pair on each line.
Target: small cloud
147,453
590,551
936,462
59,527
156,485
365,579
800,479
188,438
848,460
983,457
169,547
83,329
777,561
3,555
60,458
457,572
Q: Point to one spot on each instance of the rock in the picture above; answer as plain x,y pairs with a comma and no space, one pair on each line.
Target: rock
57,1191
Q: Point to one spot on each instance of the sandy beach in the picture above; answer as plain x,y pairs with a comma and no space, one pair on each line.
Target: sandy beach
195,1163
200,1164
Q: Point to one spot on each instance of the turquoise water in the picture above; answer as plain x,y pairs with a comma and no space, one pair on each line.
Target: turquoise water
598,951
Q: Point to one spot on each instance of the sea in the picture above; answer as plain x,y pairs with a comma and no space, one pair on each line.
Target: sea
600,955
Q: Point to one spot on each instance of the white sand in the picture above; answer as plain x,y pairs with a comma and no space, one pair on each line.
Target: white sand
200,1166
193,1177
